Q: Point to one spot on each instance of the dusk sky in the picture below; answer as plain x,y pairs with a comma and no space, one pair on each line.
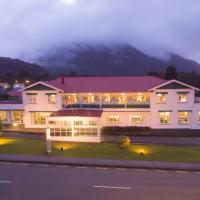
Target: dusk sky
30,27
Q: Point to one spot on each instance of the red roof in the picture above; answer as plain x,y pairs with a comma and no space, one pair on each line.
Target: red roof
106,84
78,113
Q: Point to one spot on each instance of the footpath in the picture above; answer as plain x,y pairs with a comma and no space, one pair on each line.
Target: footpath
52,160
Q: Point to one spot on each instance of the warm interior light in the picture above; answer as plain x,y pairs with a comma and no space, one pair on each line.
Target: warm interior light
15,124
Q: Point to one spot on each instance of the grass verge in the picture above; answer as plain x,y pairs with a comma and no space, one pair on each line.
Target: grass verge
101,151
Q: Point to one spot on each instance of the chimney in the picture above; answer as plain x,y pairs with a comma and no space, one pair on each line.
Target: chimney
62,79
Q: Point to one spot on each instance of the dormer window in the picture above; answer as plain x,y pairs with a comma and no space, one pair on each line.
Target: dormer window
52,98
182,97
161,97
32,98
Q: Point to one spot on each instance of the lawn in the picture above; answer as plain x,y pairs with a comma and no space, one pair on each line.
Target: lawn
102,151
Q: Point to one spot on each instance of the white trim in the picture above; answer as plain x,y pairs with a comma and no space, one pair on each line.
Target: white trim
171,81
40,82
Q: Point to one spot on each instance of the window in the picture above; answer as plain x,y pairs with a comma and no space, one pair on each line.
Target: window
32,99
161,98
182,98
113,119
38,118
51,98
61,132
198,117
17,116
85,128
70,99
136,119
3,117
183,117
107,98
164,117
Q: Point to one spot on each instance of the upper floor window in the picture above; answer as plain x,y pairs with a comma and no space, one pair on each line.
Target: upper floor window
51,98
161,97
164,117
32,98
113,119
182,97
198,117
136,119
183,117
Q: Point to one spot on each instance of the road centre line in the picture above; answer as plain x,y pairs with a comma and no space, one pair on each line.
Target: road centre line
6,182
103,168
111,187
62,166
24,164
81,167
121,169
42,165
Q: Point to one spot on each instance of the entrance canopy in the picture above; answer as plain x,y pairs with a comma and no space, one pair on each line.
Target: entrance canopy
77,113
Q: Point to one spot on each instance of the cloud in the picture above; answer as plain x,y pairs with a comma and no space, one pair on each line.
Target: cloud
29,28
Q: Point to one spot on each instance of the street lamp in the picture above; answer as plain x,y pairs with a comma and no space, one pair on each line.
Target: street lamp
48,141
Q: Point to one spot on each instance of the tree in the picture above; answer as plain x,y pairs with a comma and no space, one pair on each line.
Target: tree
171,73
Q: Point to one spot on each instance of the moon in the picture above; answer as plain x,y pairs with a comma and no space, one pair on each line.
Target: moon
68,2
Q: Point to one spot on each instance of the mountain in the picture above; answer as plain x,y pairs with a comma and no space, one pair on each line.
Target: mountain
15,69
115,60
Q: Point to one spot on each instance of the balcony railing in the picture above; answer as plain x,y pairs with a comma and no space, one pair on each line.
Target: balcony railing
107,105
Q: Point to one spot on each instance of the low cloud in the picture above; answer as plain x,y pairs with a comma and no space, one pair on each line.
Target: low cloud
29,28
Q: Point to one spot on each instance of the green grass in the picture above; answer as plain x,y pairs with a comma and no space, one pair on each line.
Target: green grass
101,151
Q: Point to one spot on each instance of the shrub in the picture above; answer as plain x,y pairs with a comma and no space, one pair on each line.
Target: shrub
124,142
128,130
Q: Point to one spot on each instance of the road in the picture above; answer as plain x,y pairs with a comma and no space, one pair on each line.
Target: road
22,181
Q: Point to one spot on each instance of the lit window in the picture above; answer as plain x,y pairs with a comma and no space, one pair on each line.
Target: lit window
51,98
136,119
70,99
38,118
183,117
182,98
3,117
17,116
32,99
161,98
107,98
199,117
164,117
113,119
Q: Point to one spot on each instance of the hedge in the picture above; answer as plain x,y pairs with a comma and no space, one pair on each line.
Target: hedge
128,130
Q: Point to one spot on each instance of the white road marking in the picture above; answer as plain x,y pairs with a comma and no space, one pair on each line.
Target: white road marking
42,165
103,168
180,171
24,164
140,170
121,169
62,166
111,187
81,167
5,182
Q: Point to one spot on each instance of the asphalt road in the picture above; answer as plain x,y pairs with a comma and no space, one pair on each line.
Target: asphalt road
21,181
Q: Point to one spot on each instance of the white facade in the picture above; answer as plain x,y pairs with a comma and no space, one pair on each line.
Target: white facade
171,105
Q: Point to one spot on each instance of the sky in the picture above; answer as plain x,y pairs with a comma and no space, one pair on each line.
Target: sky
29,28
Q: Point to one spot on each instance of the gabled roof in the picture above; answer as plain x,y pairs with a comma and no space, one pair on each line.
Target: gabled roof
41,85
77,113
173,84
106,84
